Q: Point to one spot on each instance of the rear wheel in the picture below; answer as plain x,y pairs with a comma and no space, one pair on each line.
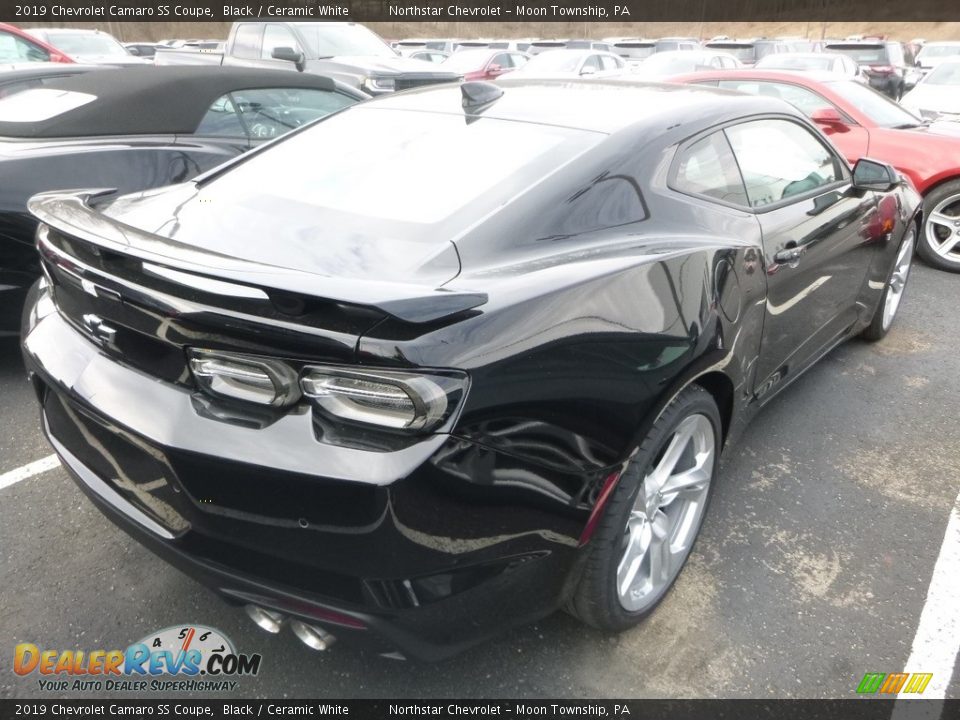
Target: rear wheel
940,244
889,304
654,516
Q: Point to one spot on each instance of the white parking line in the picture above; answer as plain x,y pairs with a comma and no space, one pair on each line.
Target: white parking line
937,641
34,468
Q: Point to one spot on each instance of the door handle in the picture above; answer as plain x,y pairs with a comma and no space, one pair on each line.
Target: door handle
788,255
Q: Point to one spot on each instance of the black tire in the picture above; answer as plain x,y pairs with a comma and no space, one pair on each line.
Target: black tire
876,330
595,600
926,243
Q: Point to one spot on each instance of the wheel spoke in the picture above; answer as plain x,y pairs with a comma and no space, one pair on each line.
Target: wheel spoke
944,220
693,480
638,543
948,245
659,551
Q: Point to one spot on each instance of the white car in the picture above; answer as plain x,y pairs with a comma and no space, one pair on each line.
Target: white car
681,62
934,53
817,62
570,64
91,47
937,96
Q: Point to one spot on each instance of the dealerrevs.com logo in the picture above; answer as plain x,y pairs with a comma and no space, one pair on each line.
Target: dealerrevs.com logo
178,658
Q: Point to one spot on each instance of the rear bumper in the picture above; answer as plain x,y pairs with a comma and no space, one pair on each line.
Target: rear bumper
429,550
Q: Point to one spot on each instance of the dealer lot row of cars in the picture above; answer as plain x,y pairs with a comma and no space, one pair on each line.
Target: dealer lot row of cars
415,408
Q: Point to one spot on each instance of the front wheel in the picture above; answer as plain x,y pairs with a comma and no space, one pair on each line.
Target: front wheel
896,283
940,244
653,517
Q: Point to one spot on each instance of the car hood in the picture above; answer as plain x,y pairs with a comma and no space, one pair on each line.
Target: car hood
390,66
285,233
942,98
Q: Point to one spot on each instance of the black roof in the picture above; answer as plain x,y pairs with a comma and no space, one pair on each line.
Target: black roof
606,105
155,100
35,71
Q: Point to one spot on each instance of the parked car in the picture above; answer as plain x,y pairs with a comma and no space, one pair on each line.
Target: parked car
882,61
141,49
818,62
16,46
16,78
666,64
417,409
570,64
635,50
937,96
931,54
412,45
90,47
133,129
749,52
431,56
484,64
861,121
345,51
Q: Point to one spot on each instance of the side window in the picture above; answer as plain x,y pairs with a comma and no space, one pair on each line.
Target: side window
272,112
780,159
222,120
276,36
806,101
592,62
707,167
14,49
504,60
609,62
518,60
246,42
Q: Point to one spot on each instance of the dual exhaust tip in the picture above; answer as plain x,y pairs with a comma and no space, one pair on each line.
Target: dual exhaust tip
315,638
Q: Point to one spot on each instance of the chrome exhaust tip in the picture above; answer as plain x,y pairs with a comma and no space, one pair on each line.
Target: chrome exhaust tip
269,620
313,637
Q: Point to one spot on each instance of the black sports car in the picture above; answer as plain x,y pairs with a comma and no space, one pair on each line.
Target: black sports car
131,129
379,401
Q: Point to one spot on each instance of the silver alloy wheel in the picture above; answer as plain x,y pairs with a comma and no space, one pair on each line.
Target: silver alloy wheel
898,280
666,516
942,229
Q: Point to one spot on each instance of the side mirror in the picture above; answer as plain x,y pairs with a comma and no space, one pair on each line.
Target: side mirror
873,175
829,116
588,71
290,55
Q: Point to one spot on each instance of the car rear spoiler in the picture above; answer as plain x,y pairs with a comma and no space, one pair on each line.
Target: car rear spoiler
70,212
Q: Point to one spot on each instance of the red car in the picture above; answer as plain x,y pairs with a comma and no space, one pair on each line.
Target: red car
863,123
484,63
17,47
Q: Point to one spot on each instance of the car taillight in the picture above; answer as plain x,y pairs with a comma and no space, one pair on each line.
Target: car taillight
390,399
257,380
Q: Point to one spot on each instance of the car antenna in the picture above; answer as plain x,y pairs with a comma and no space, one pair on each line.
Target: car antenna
478,95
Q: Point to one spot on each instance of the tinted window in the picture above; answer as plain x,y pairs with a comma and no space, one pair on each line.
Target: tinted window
381,163
14,49
273,112
707,167
863,54
277,36
504,60
246,42
780,159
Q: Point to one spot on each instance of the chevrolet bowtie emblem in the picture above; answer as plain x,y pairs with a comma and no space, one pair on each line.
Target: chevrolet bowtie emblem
102,333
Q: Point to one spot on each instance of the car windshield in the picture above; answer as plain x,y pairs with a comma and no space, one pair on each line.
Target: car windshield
877,107
938,51
553,61
86,44
946,74
381,163
743,53
343,39
782,62
466,60
863,54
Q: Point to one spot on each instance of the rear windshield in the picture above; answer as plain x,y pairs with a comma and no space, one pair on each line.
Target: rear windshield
863,54
390,164
743,53
634,50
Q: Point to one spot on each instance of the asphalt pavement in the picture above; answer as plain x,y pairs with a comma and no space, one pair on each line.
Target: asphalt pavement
812,568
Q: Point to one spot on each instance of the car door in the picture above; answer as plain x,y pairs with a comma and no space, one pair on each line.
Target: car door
816,241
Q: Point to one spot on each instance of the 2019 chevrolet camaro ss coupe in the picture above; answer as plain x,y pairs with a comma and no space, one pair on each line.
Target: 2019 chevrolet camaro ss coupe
366,398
